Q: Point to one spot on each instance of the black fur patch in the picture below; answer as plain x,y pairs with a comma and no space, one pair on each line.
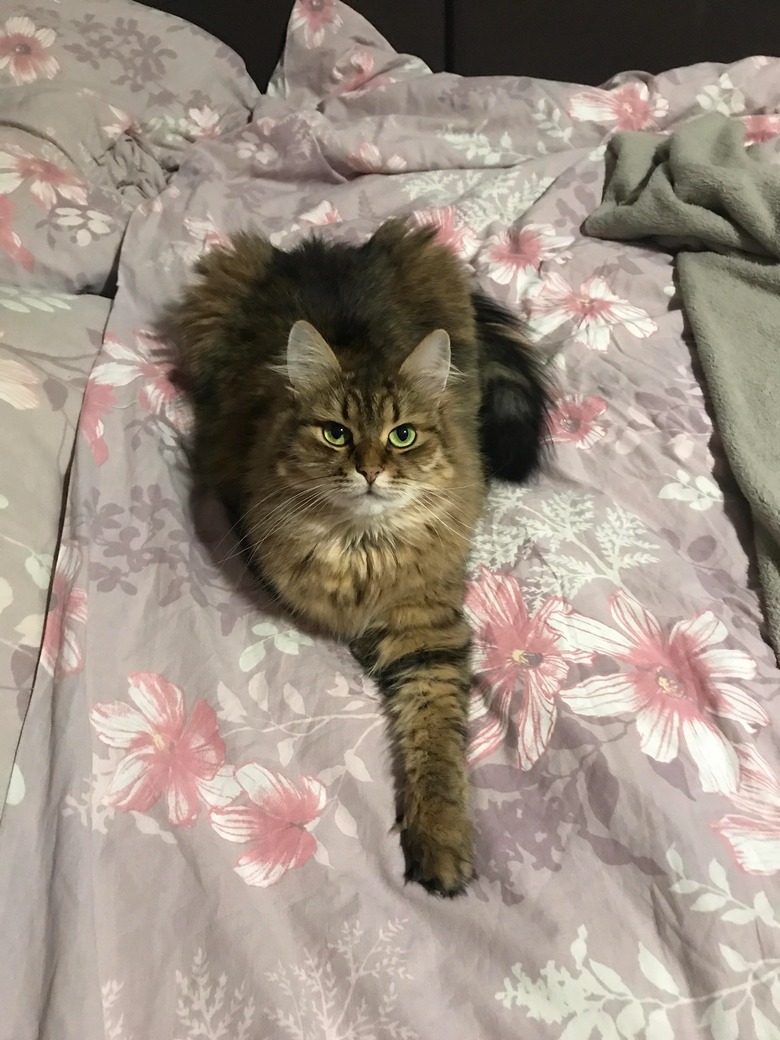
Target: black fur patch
394,674
515,395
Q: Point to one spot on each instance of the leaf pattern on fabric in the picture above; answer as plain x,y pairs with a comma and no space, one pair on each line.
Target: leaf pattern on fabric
238,766
598,1000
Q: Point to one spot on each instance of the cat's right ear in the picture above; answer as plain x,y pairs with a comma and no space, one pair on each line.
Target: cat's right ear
310,361
429,364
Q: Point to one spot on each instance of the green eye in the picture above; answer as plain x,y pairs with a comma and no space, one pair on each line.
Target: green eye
335,434
403,436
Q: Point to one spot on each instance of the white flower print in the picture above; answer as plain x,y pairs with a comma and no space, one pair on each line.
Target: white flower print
47,181
514,256
627,107
23,51
679,681
18,385
593,309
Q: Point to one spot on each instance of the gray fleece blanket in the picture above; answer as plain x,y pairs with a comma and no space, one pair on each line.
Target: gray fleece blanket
702,192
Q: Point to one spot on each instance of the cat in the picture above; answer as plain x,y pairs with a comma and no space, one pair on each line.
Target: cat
350,404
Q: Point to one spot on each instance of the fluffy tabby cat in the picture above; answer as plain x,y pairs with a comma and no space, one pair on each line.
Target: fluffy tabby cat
350,404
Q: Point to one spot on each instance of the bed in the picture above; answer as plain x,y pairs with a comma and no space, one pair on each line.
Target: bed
196,832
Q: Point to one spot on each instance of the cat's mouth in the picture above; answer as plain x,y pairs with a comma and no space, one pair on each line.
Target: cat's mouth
371,505
373,494
370,500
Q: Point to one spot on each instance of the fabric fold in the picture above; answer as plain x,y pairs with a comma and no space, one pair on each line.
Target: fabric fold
702,193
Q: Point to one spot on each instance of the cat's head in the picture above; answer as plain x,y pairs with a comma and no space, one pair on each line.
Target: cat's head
367,443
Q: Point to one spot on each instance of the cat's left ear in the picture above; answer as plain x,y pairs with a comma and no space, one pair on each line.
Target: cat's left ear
429,362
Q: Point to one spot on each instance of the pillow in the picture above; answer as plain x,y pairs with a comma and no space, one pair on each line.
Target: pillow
175,81
71,173
99,99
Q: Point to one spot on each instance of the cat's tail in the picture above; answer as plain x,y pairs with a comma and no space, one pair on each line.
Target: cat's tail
515,394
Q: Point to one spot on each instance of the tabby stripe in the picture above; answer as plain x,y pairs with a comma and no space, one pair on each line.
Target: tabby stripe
398,671
422,718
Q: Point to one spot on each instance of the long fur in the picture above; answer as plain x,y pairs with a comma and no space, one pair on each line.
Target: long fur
386,574
515,394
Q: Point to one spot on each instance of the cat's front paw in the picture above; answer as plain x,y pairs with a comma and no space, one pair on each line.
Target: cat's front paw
439,850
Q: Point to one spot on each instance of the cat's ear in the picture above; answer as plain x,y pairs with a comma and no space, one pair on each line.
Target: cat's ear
429,362
310,361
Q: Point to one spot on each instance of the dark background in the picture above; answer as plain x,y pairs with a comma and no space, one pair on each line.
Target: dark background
580,41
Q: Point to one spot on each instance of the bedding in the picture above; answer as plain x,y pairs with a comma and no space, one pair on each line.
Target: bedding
702,192
200,839
82,142
48,343
100,98
172,82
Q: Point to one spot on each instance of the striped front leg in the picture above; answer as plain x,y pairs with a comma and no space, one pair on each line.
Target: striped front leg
427,690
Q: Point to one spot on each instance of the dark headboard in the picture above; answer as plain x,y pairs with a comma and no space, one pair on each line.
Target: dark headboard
582,41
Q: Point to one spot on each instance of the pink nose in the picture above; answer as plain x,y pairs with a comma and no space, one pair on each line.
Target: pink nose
370,473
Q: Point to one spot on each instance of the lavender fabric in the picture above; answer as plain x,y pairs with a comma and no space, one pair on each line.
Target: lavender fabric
99,99
204,845
48,343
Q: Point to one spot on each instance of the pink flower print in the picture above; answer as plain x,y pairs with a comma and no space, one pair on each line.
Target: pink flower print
23,51
629,107
18,385
159,395
452,231
368,159
167,755
522,661
121,365
117,365
205,235
99,399
125,124
48,183
276,824
676,681
203,124
315,17
323,213
265,125
9,240
359,74
61,649
514,257
761,128
594,310
573,421
753,832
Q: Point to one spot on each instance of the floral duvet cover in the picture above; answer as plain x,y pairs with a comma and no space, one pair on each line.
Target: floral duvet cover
203,848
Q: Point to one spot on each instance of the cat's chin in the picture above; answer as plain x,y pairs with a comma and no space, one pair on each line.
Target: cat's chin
371,505
364,505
